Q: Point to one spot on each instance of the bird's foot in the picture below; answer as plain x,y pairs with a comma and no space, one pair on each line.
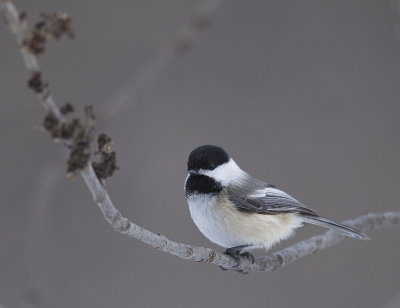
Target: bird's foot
235,253
249,256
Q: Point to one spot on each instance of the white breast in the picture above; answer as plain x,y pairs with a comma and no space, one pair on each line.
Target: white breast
207,219
224,225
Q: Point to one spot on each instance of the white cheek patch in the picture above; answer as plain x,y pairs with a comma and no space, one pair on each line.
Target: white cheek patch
184,186
226,173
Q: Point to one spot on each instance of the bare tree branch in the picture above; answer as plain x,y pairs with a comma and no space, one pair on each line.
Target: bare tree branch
18,27
184,41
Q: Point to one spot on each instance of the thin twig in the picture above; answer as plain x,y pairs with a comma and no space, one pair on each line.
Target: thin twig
121,224
125,93
18,26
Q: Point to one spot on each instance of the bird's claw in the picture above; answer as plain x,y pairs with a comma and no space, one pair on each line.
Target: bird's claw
236,255
249,256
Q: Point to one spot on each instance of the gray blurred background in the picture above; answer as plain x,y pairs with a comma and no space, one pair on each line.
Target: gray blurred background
303,94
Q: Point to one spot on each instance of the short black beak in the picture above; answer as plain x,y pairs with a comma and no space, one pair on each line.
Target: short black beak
193,172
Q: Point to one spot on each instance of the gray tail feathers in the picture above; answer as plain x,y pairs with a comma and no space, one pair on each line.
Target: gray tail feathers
327,223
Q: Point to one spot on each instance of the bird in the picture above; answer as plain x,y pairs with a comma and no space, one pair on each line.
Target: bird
240,212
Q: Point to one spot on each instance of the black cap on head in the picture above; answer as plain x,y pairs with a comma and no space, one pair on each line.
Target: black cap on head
207,157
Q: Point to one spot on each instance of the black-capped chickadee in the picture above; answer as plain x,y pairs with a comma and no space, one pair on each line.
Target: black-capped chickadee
239,212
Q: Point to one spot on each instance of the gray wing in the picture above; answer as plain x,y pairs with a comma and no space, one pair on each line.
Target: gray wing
272,201
268,201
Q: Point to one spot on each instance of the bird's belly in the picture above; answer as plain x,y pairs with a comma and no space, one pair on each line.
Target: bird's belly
210,222
224,225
